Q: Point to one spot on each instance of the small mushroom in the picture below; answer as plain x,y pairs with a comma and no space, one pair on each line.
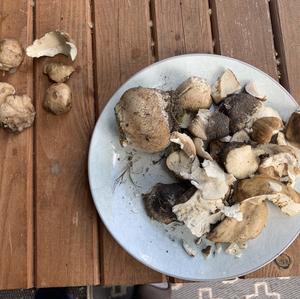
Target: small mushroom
194,94
160,200
240,160
240,108
231,230
264,128
253,89
292,133
143,120
209,125
17,113
11,54
186,143
58,99
200,150
5,90
58,71
226,84
51,44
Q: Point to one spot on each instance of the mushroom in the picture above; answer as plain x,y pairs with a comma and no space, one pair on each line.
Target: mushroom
160,200
215,148
253,90
194,94
264,128
17,113
198,214
240,108
51,44
226,84
200,150
209,125
240,136
239,159
231,230
58,71
5,90
143,120
260,188
58,98
293,128
186,143
11,54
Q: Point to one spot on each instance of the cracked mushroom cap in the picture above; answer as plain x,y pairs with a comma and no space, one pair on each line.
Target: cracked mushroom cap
264,128
5,90
230,230
209,125
161,199
239,159
194,94
186,143
292,133
11,54
240,108
143,120
17,113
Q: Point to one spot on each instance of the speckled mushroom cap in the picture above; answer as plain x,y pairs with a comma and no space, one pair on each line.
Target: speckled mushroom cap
143,119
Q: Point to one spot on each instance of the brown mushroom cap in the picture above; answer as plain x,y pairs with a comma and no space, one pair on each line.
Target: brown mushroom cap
232,231
292,133
143,119
11,54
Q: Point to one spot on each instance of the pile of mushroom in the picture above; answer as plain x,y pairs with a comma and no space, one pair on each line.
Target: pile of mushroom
229,151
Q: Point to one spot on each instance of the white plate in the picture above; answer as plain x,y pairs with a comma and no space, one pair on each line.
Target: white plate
119,202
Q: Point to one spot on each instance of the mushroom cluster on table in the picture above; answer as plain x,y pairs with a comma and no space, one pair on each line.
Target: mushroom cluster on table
229,151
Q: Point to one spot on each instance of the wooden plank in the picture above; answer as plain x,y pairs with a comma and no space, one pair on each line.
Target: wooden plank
16,200
249,38
286,21
181,27
242,29
66,221
122,46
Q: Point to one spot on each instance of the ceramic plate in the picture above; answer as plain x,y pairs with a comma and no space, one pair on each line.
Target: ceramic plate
119,176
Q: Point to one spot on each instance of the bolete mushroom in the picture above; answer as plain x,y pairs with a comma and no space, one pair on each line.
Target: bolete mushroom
209,125
226,84
292,133
11,54
194,94
143,119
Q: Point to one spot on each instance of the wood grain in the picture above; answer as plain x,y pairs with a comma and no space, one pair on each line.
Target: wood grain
122,47
242,29
16,199
66,221
286,21
181,27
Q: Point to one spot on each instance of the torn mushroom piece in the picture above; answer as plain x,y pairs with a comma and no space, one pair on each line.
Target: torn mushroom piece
226,84
200,150
260,188
185,142
240,136
252,89
292,133
264,128
11,54
160,200
5,90
17,113
209,125
143,119
58,71
239,159
51,44
194,94
231,230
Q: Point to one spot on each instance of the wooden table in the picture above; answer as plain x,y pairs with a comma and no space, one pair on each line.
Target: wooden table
50,234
